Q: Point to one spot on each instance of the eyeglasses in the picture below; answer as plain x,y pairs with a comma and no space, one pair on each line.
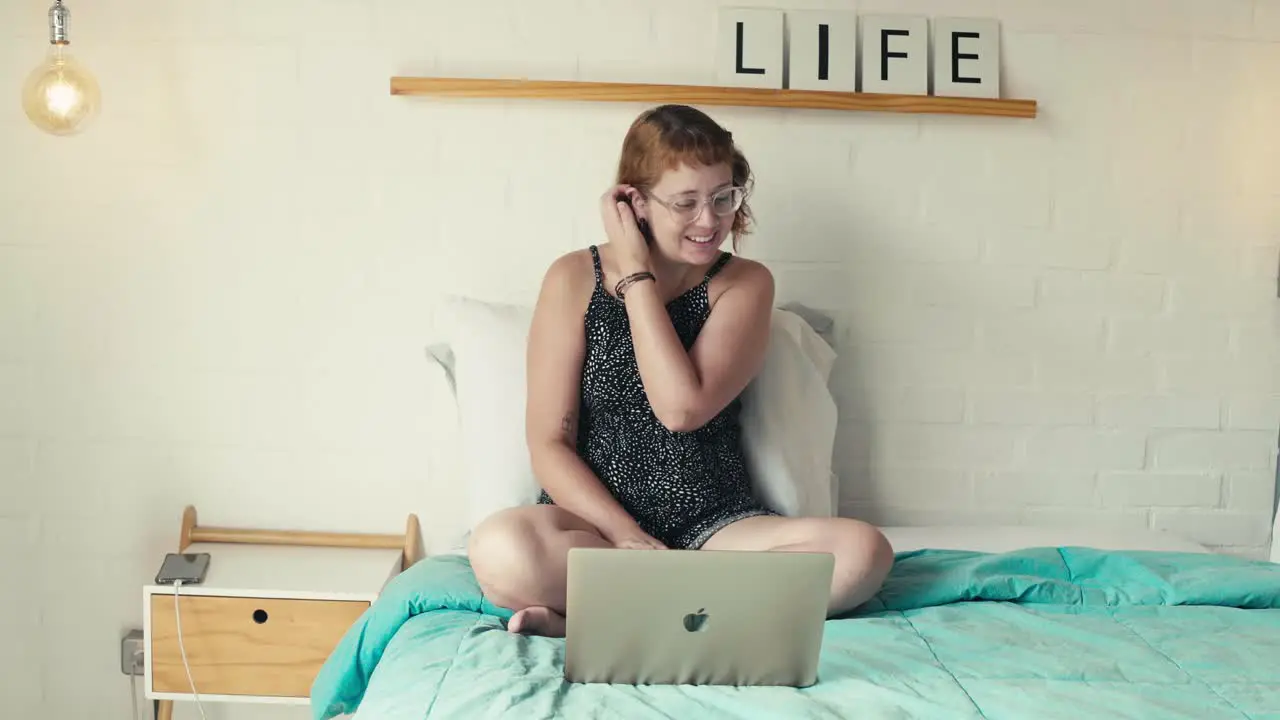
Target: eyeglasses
722,203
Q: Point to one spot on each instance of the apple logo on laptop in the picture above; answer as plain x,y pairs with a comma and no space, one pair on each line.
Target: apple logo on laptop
696,622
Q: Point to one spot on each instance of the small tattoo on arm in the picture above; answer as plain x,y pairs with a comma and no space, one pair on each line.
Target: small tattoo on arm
566,425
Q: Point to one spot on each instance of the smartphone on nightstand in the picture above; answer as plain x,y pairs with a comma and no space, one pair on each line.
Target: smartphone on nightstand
190,568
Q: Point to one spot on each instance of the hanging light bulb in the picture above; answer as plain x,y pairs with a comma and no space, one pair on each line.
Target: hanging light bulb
60,96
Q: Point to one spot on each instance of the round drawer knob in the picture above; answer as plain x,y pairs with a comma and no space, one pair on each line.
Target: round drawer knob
259,616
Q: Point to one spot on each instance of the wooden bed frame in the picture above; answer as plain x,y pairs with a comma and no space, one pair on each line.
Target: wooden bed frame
410,543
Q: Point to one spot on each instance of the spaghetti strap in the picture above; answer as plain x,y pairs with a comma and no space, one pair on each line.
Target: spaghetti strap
724,260
595,262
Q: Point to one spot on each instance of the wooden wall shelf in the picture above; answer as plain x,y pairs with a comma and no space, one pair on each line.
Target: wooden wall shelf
708,95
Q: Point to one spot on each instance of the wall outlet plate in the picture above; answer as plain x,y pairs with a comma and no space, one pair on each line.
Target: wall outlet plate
131,649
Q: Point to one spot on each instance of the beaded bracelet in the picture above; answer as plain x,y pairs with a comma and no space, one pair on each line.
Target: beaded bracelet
626,282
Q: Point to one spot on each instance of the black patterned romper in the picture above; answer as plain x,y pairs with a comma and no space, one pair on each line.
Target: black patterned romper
680,487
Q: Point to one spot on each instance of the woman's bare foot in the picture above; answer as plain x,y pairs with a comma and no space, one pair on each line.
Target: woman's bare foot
537,621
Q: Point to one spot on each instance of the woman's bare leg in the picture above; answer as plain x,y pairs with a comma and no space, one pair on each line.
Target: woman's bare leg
863,556
520,558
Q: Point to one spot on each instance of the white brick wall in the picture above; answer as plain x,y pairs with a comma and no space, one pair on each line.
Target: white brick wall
1150,489
1025,490
1086,448
219,296
1160,411
1048,250
1031,407
1098,372
1103,293
1212,450
1043,330
1247,491
1172,336
20,621
1214,527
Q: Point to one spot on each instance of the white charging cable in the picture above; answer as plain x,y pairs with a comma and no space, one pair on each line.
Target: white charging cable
133,689
177,617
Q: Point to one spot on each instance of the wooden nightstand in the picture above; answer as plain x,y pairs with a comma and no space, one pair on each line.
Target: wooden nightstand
270,611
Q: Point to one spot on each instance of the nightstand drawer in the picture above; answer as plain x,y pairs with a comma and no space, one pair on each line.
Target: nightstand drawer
246,646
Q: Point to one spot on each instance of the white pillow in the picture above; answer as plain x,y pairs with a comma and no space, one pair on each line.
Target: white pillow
487,342
788,420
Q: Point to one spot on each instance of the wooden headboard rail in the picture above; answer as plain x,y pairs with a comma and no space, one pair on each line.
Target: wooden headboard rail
410,542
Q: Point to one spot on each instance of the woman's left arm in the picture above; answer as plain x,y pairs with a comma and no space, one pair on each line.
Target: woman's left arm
687,389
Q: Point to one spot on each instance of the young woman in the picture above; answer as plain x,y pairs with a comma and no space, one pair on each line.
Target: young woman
637,354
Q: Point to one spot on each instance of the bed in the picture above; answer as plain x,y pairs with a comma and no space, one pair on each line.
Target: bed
973,622
1055,631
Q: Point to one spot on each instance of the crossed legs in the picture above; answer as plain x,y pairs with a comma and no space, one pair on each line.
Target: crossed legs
520,558
863,557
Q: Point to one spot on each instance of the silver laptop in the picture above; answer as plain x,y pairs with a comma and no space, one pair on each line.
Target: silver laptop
702,617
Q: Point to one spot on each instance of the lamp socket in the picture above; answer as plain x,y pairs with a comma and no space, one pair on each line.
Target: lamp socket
131,653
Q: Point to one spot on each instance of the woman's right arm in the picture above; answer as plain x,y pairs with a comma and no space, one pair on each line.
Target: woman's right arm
556,351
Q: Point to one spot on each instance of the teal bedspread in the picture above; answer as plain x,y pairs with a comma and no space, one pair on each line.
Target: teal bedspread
1038,633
